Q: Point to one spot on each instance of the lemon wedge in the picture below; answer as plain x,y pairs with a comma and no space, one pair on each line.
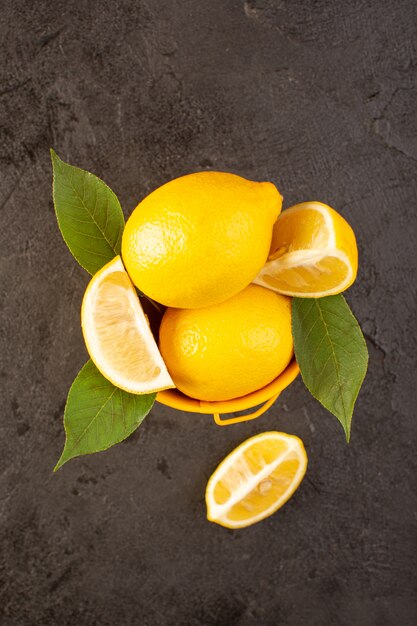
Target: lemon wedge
255,480
313,253
117,334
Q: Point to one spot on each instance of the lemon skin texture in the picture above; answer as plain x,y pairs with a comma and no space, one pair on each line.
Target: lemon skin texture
229,349
201,238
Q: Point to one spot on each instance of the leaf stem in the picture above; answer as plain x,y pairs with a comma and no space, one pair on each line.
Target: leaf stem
154,304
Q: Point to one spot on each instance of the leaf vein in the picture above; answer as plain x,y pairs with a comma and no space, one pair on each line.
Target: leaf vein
77,440
338,377
87,210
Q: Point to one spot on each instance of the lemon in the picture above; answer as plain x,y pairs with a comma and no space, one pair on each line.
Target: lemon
256,479
117,334
313,253
201,238
229,349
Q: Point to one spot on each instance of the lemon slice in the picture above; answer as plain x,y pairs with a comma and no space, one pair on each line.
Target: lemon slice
313,253
255,480
117,333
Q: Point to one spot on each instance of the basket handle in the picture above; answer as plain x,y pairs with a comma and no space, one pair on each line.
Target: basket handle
245,418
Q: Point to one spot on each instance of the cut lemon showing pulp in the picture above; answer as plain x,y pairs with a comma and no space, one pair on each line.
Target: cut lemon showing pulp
117,333
313,253
256,479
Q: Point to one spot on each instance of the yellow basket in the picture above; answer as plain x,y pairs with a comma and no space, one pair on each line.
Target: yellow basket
265,396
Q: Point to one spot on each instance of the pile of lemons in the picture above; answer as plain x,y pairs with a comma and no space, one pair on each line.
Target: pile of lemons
216,251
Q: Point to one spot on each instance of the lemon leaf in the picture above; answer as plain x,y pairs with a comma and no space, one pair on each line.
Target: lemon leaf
98,414
331,353
89,215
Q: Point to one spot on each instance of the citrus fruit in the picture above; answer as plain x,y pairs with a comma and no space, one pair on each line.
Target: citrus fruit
117,334
201,238
313,253
229,349
256,479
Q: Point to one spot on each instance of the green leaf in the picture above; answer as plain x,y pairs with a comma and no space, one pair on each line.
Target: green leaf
89,215
331,353
99,415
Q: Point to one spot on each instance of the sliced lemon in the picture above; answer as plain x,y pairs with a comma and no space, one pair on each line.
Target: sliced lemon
117,333
256,479
313,253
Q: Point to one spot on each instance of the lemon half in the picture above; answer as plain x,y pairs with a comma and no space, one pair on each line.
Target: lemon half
256,479
117,333
313,253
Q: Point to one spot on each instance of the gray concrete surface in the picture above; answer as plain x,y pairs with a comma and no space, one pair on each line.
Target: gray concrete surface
319,97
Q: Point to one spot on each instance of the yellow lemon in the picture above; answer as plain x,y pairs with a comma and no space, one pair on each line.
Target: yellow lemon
256,479
117,334
229,349
201,238
313,253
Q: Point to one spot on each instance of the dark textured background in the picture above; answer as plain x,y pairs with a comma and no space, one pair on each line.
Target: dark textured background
319,97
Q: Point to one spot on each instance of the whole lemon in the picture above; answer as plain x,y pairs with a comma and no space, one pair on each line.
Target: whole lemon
229,349
201,238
